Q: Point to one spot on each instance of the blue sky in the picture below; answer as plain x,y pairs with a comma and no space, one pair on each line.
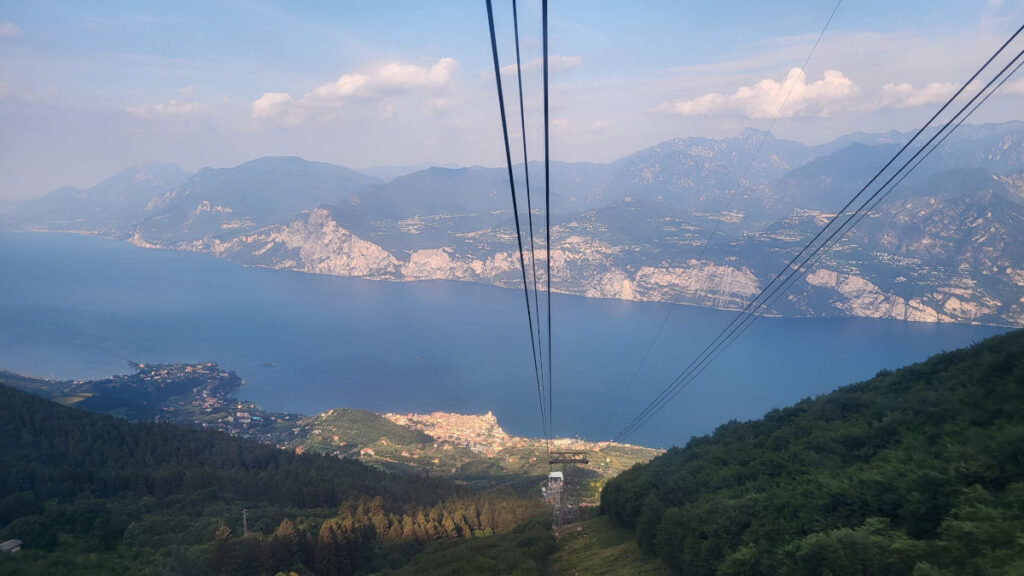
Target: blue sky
87,89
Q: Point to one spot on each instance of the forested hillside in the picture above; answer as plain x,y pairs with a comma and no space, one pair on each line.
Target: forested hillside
918,471
88,493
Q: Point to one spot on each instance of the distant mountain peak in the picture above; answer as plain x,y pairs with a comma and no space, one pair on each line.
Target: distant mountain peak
749,132
147,172
278,160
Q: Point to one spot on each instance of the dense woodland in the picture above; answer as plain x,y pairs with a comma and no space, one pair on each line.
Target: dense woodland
918,471
89,493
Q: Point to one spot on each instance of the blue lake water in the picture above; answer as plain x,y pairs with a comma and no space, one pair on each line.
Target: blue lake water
81,307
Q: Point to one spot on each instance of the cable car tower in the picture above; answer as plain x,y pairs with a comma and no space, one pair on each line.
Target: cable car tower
563,487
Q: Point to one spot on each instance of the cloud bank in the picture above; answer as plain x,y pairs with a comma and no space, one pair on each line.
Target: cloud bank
1016,87
389,77
380,82
905,95
763,99
180,106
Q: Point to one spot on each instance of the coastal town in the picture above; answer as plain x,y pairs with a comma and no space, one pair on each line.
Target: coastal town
439,443
197,394
479,433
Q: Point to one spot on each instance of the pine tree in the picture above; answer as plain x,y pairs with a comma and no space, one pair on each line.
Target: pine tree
327,550
225,553
394,533
448,523
284,545
408,527
347,549
434,530
422,533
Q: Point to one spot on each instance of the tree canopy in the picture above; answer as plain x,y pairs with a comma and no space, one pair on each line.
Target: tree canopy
916,471
89,493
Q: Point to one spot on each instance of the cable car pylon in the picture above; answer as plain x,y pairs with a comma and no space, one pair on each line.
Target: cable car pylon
563,487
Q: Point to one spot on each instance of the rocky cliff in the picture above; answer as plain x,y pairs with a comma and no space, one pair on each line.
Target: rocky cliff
672,223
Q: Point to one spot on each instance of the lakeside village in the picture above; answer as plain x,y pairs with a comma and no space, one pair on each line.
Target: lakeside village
199,395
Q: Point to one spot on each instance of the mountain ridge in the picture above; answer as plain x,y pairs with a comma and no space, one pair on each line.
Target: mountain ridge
636,228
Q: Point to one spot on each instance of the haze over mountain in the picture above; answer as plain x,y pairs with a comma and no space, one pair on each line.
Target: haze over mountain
945,247
253,195
106,208
389,172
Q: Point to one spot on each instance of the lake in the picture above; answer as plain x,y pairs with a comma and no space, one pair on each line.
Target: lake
82,307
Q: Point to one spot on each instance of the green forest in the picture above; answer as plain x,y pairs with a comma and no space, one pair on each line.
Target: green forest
915,472
918,471
89,493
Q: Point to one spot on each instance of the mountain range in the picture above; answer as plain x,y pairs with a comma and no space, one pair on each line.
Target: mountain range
947,246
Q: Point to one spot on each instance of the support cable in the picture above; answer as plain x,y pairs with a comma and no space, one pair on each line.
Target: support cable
855,217
726,336
529,211
1020,62
515,206
547,206
718,223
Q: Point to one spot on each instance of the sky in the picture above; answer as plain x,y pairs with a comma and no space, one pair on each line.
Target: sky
88,89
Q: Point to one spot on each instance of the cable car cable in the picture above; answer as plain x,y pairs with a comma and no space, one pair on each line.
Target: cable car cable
860,213
699,365
547,207
515,205
670,391
718,222
529,203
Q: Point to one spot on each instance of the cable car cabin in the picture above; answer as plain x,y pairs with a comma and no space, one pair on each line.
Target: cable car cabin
553,490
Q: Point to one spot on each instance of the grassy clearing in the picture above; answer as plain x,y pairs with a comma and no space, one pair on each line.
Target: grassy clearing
601,549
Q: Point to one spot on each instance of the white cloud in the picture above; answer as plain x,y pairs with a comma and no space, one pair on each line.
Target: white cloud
555,64
270,105
1013,87
172,108
9,30
387,78
763,99
438,106
180,106
381,83
904,95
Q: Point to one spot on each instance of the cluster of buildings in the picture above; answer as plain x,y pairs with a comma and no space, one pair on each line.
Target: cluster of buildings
208,404
478,432
178,372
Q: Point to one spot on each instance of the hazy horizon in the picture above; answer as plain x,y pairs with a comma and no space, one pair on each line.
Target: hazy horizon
88,90
389,171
